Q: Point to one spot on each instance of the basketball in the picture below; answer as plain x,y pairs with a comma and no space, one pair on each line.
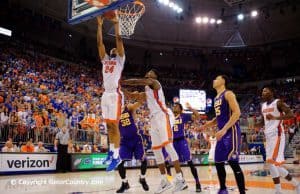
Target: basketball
98,3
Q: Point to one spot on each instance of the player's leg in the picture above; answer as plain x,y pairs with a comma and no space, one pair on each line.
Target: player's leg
139,154
272,152
221,155
184,154
112,120
234,161
239,175
126,154
282,171
122,173
167,161
166,136
156,147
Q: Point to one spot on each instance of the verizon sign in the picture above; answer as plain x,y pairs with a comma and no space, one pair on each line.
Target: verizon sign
27,162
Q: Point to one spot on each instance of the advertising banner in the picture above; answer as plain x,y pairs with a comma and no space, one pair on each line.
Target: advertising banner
88,161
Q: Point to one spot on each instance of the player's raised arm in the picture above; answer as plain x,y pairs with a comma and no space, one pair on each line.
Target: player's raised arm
119,41
195,112
101,46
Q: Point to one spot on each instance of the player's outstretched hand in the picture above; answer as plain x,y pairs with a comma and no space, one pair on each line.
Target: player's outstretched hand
100,20
115,19
220,134
188,106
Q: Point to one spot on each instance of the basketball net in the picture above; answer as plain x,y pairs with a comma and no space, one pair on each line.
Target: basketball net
129,15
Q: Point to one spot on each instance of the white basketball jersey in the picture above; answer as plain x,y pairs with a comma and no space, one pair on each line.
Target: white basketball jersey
271,126
155,100
112,72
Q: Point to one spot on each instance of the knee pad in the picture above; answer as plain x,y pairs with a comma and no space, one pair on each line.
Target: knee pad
159,157
274,171
282,171
171,151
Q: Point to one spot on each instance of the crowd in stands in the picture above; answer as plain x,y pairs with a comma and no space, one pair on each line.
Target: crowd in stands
40,94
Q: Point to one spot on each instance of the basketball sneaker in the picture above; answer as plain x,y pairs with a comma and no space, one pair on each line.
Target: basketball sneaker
179,185
114,164
109,157
163,186
223,191
144,184
198,188
123,188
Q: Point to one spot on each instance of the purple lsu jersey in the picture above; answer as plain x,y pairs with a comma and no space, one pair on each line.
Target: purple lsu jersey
179,142
131,143
229,146
127,126
178,128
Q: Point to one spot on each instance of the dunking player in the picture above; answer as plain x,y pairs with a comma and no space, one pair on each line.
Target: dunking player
180,143
112,98
161,128
274,111
131,144
227,119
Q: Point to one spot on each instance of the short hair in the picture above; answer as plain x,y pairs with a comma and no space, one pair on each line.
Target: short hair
180,105
156,72
226,78
270,88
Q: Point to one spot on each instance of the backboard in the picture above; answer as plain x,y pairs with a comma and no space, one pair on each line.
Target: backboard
79,10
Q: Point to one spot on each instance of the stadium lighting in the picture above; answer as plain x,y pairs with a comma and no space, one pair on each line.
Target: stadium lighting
5,31
240,16
166,2
254,13
205,20
179,10
219,21
198,20
171,4
212,21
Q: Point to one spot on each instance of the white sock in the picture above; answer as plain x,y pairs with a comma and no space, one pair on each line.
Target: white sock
179,176
142,176
111,147
294,182
116,153
278,187
124,180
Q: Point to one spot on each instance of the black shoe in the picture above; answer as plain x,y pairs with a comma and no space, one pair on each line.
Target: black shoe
144,184
123,188
198,188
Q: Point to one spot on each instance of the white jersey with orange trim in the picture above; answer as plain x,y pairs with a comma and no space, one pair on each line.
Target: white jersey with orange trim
156,100
274,133
271,126
112,72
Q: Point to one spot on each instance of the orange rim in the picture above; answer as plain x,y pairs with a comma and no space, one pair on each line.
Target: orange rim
141,12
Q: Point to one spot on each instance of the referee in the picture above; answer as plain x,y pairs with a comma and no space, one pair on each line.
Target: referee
61,145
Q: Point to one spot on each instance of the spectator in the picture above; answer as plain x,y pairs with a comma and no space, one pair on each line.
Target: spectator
28,147
40,148
8,147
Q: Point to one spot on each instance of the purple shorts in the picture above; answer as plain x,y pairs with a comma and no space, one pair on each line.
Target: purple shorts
131,148
228,148
182,148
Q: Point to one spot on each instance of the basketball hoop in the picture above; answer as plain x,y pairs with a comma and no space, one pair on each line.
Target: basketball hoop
129,14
